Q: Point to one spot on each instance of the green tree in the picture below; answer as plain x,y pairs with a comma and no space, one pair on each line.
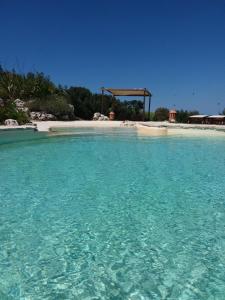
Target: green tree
24,86
183,115
80,98
9,111
161,114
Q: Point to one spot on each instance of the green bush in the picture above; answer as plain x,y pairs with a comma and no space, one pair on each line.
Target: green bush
24,86
161,114
183,115
152,116
9,111
54,104
22,117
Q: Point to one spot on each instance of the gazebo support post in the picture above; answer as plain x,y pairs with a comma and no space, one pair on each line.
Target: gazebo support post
149,108
144,106
102,100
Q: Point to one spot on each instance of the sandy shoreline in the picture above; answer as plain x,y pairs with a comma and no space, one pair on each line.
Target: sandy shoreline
143,128
50,125
179,131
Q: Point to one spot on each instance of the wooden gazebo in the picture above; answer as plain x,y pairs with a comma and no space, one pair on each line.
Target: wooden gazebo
138,92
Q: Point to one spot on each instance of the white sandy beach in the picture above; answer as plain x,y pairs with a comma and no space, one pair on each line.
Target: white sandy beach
50,125
179,130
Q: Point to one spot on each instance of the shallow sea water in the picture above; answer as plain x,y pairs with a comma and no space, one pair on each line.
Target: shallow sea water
112,216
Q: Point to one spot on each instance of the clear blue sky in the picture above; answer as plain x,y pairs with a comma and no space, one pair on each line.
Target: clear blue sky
176,48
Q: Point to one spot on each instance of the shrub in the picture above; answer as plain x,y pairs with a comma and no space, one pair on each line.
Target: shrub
8,111
24,86
55,104
161,114
183,115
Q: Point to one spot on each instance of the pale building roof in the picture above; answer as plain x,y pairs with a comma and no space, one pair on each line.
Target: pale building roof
217,116
199,116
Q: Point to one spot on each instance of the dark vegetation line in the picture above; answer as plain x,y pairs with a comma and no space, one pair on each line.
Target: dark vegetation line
41,95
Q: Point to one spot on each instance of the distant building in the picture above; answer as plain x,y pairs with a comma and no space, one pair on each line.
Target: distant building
216,119
205,119
172,116
198,119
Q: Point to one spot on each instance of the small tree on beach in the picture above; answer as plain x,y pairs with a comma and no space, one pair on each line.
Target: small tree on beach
161,114
183,115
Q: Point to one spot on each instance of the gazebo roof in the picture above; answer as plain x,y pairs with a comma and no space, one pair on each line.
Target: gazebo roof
128,92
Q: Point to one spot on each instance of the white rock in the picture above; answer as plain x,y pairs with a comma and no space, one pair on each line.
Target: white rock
19,103
25,109
96,116
71,107
11,122
50,117
100,117
41,116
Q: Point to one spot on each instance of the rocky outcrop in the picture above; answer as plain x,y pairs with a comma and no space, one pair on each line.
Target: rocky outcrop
41,116
99,117
96,116
11,122
21,105
71,108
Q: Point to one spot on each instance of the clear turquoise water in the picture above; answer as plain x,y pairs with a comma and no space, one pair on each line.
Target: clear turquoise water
112,217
